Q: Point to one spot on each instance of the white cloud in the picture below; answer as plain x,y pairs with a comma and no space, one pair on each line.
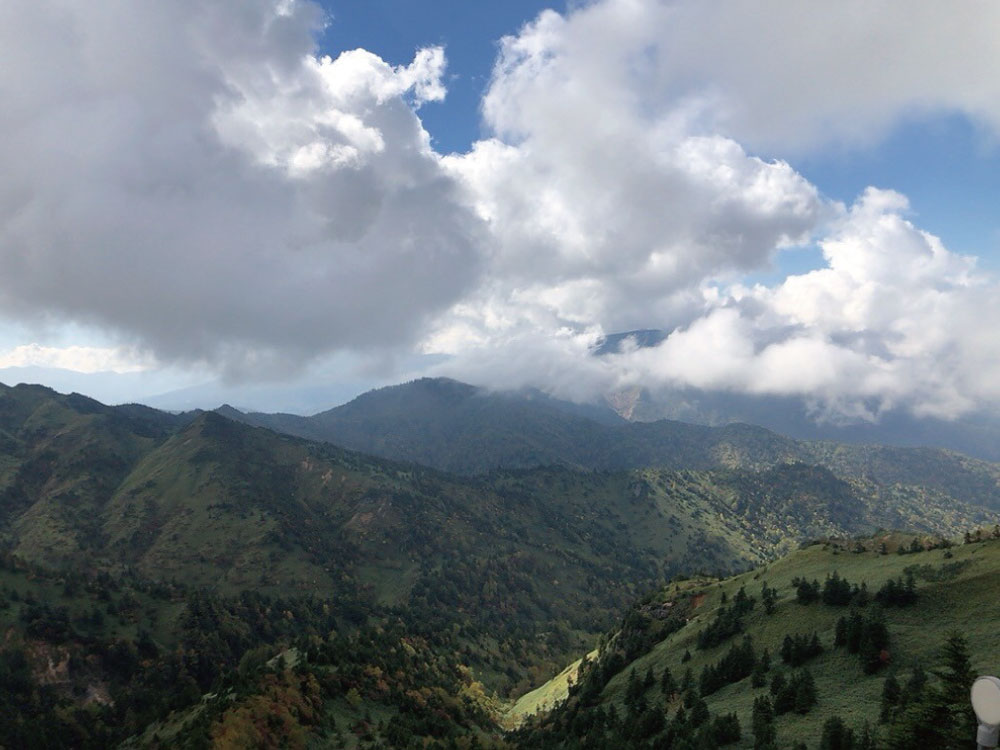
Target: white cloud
620,199
197,180
787,75
85,359
194,178
605,207
893,320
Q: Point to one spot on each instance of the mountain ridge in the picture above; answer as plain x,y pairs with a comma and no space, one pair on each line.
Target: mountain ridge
178,536
463,429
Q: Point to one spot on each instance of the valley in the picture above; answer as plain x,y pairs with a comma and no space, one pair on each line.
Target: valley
144,549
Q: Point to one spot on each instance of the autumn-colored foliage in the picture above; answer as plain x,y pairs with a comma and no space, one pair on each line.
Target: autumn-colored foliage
279,715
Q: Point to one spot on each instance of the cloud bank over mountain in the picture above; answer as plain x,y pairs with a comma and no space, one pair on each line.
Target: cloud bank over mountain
201,183
642,208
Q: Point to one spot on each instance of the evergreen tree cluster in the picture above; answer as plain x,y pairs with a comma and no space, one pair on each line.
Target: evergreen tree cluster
838,736
768,598
797,693
797,649
835,591
937,714
895,697
806,592
898,592
864,635
728,621
765,734
635,690
738,663
644,726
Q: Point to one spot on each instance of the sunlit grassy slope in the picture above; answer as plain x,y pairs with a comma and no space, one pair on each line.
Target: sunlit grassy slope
958,590
544,698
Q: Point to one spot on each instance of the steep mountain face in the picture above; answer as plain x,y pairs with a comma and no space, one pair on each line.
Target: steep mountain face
217,503
463,429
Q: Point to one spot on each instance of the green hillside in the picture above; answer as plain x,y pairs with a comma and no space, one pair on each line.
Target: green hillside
144,551
467,430
955,591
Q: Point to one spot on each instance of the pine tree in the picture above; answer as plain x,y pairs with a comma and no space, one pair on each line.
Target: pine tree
777,683
957,676
956,680
648,681
769,597
668,685
891,693
726,730
699,713
764,733
840,637
836,735
687,680
805,694
633,689
914,689
941,717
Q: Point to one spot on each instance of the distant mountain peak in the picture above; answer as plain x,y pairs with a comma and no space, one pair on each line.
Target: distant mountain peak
642,338
231,412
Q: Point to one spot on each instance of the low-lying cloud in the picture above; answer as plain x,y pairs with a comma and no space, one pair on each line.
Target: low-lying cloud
621,200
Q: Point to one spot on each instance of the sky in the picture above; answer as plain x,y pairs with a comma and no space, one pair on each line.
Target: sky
260,198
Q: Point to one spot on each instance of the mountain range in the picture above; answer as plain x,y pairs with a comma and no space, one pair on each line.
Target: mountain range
518,525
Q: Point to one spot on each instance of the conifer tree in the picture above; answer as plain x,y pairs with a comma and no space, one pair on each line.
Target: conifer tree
777,683
805,693
764,733
836,735
699,713
668,685
687,680
648,681
942,716
914,689
891,692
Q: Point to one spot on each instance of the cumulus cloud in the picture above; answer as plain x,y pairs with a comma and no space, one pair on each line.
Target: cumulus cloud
621,199
894,320
605,206
194,177
786,75
198,180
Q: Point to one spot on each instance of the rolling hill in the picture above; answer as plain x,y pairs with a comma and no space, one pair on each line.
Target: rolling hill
137,543
467,430
666,632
